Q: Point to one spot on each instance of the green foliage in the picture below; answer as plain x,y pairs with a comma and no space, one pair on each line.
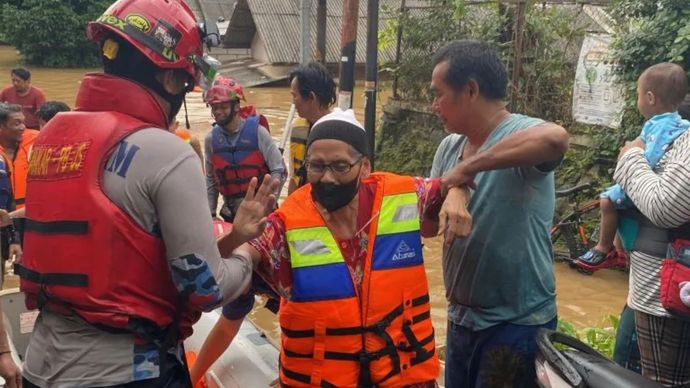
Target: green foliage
551,40
545,84
552,35
51,32
405,133
601,339
649,32
425,31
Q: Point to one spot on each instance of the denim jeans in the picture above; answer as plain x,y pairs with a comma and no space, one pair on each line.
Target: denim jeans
500,356
627,353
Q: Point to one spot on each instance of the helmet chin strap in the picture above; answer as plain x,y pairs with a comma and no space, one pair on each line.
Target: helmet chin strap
227,120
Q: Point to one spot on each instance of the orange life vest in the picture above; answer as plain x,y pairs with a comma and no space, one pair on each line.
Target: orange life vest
184,134
335,336
19,166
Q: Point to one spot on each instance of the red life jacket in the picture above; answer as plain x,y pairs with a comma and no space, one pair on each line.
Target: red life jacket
235,165
83,255
249,111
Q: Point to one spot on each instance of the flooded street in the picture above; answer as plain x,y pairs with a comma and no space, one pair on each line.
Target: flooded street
583,300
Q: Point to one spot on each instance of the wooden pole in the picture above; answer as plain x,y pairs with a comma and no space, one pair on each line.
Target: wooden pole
348,50
371,75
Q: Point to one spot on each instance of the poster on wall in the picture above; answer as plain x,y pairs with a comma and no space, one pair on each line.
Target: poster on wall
597,99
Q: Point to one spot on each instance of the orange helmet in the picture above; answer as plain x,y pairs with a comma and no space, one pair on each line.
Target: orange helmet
221,93
232,84
166,32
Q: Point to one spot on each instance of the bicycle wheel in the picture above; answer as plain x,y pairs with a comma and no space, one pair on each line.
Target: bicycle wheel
591,220
560,251
567,244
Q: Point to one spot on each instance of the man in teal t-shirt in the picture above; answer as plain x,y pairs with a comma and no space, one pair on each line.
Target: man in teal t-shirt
499,279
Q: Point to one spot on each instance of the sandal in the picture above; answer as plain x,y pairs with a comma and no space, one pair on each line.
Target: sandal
594,257
613,259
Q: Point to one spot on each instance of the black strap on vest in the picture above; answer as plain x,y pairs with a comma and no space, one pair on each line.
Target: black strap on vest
57,227
302,378
365,358
52,279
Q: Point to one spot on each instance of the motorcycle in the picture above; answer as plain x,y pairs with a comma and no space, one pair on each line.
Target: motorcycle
564,362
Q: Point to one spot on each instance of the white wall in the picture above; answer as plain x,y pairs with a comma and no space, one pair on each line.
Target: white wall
259,51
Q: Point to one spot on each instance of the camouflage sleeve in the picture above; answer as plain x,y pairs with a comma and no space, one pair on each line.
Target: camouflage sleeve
194,279
186,227
161,186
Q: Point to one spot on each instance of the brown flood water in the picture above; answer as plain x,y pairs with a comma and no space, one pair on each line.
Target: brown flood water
583,300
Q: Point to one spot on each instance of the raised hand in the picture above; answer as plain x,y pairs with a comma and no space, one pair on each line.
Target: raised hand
252,213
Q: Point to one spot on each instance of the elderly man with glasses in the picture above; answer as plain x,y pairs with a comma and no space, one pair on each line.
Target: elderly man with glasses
344,252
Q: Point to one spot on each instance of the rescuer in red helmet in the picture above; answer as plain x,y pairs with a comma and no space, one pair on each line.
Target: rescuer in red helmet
120,252
237,149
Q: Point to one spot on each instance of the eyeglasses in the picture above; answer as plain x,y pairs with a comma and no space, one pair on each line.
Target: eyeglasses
337,167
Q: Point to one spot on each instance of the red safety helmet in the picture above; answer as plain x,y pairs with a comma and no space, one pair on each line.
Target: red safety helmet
166,32
232,84
221,93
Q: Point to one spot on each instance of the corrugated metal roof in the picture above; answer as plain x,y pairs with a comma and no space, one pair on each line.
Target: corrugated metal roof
278,24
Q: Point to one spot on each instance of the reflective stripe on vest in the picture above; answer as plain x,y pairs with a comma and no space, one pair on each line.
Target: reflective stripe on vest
318,267
397,241
378,335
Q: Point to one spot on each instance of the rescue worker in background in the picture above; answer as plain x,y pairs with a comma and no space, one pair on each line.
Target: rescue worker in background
116,208
313,93
345,254
48,110
188,137
11,242
245,110
15,145
236,149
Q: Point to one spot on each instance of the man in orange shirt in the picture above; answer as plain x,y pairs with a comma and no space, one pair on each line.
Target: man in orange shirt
28,97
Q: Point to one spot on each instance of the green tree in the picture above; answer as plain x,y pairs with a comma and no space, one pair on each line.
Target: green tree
649,32
52,32
551,38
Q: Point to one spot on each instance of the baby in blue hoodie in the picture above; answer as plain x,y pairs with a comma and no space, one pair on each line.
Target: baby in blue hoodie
660,90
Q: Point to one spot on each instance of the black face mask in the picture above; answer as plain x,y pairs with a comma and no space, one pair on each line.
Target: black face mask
175,100
334,196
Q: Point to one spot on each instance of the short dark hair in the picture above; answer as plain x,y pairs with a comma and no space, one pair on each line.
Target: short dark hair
314,77
6,110
474,60
21,72
668,82
50,108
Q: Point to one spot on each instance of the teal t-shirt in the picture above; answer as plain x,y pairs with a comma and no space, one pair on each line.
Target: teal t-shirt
502,272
